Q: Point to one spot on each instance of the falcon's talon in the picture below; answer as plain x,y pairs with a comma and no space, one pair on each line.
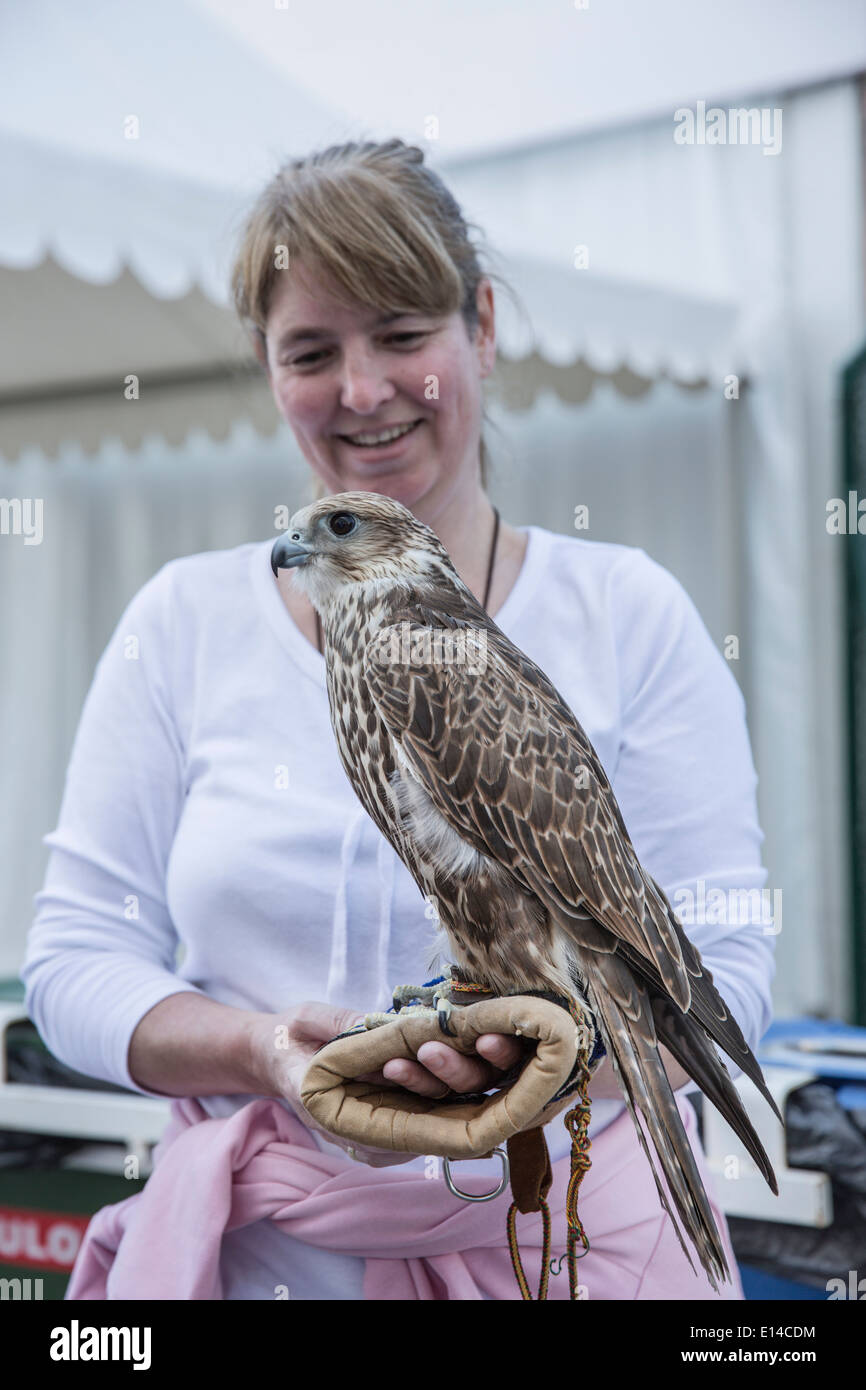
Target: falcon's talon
406,995
444,1009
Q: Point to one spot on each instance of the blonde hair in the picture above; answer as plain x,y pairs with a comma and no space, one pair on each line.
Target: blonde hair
380,225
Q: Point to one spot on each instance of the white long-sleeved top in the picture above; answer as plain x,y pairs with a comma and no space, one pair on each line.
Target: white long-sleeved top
205,805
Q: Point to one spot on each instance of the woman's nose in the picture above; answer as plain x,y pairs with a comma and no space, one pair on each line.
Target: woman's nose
364,382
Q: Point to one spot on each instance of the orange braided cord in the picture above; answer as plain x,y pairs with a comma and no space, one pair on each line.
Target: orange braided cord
577,1123
517,1263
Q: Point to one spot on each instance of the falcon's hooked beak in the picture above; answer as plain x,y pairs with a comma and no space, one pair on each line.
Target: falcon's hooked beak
288,554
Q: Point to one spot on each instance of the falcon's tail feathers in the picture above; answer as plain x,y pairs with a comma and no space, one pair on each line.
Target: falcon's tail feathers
622,1005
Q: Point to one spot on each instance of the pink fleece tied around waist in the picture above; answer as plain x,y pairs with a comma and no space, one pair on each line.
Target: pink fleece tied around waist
212,1176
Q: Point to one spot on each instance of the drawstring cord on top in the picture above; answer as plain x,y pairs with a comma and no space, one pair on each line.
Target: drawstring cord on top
337,972
386,863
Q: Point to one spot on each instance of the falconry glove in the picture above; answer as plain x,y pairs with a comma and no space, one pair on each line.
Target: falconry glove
565,1050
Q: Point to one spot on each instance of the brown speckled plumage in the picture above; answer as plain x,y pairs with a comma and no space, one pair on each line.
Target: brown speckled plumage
491,793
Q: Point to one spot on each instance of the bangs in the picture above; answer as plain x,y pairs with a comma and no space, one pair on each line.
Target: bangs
364,239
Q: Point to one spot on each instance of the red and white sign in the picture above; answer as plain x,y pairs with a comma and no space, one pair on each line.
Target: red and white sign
40,1239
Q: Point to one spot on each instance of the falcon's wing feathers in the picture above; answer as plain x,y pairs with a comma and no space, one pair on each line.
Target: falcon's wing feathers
507,765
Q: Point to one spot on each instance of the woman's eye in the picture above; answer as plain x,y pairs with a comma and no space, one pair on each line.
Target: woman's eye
401,337
308,359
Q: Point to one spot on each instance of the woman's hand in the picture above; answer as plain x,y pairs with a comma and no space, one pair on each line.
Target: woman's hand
440,1068
284,1045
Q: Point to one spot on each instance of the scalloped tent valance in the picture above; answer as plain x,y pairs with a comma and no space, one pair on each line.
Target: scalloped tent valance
107,272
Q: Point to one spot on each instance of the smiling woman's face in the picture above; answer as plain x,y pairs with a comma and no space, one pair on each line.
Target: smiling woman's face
340,372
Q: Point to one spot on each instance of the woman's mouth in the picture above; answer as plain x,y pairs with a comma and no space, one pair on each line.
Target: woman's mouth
381,442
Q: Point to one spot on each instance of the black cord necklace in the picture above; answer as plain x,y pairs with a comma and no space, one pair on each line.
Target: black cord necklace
490,565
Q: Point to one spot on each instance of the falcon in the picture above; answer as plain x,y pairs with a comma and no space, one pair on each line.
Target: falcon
475,769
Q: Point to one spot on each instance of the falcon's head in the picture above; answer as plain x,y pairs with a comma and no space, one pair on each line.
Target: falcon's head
358,537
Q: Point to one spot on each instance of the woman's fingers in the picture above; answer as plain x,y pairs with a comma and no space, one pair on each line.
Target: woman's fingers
461,1073
376,1158
312,1021
441,1068
502,1049
415,1077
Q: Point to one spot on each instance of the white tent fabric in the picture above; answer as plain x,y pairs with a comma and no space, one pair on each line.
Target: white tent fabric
612,323
499,75
159,87
291,74
97,216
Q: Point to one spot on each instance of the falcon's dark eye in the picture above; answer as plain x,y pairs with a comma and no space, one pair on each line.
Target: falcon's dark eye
342,523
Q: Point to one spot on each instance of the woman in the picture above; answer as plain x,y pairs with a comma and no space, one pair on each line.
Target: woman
205,803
